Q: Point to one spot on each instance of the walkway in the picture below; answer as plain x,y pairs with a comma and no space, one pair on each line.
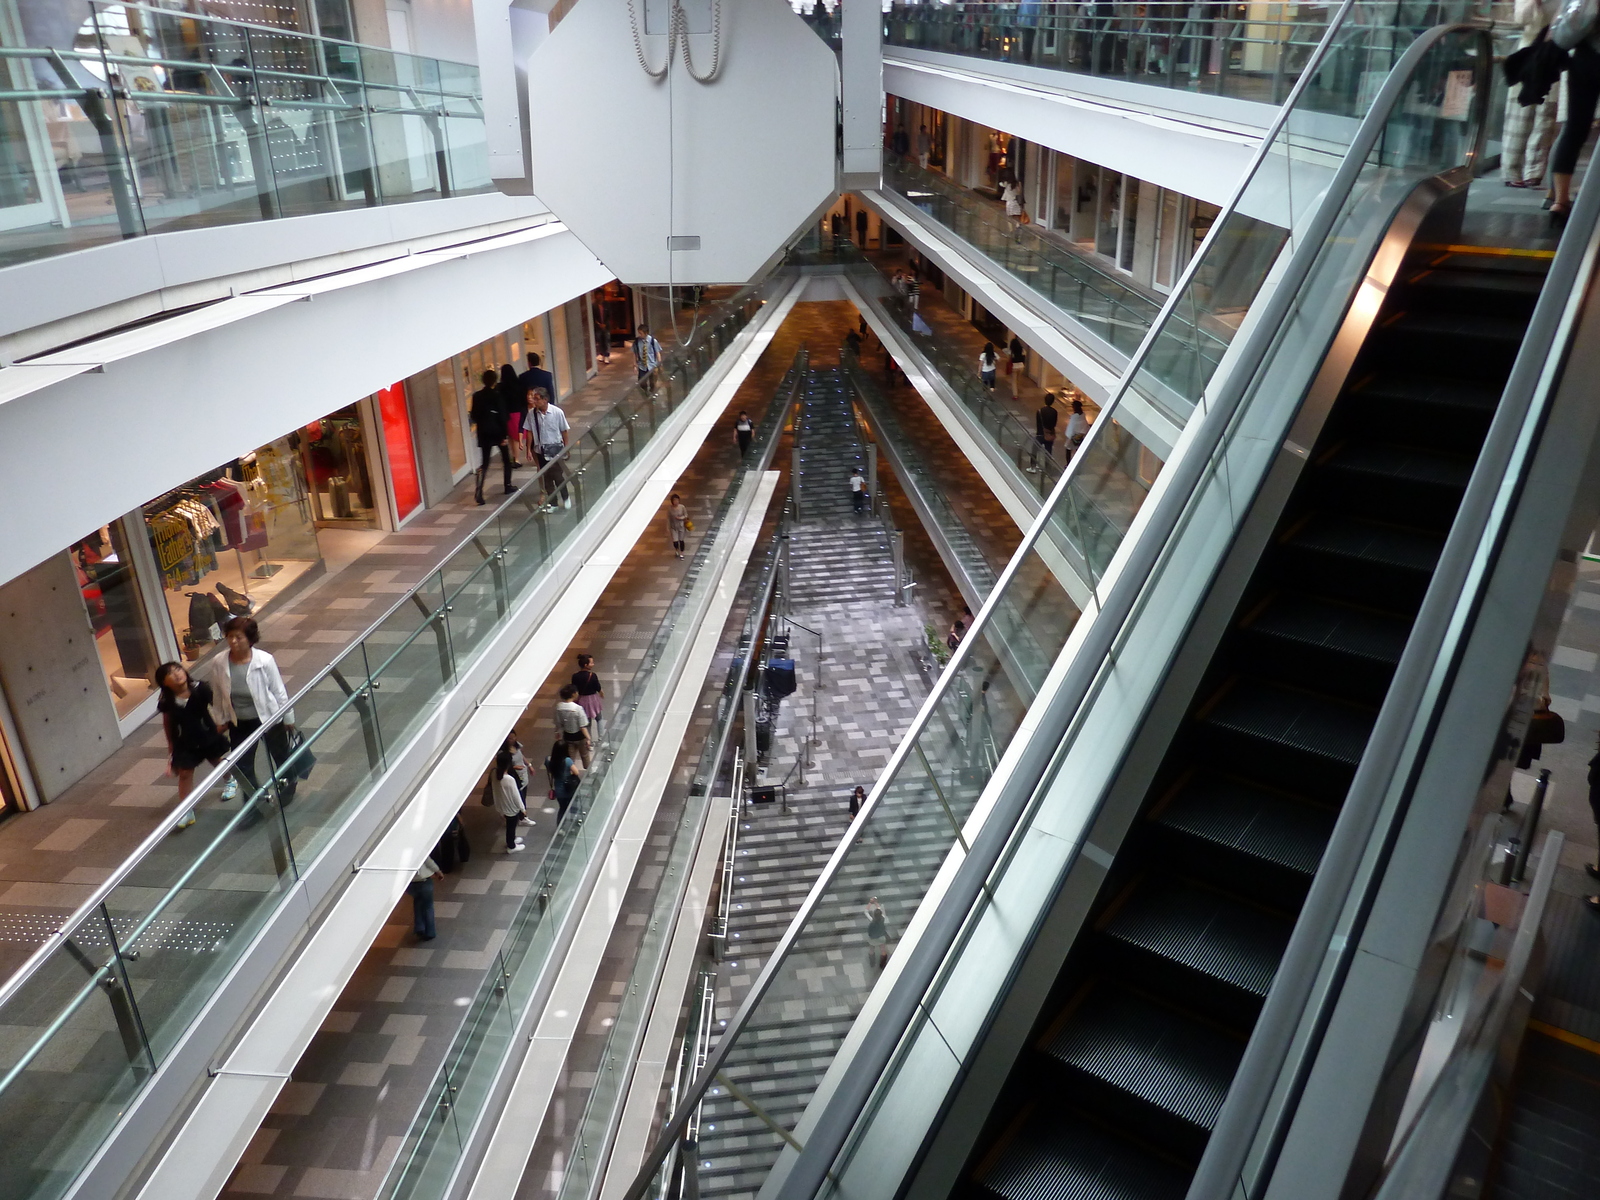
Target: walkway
337,1127
52,859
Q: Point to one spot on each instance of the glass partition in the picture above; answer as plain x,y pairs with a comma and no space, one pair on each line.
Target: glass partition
101,1005
154,119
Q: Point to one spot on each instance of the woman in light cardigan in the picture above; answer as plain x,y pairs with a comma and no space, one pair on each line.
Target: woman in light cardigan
250,693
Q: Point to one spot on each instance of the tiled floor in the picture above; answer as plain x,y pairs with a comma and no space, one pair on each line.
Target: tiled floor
51,859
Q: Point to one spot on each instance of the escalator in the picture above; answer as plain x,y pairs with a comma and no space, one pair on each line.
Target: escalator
1126,1071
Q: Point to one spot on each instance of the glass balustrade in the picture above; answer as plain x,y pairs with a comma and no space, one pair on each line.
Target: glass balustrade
85,1024
455,1100
1254,53
154,119
915,813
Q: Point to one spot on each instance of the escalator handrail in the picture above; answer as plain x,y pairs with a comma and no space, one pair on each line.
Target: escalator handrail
1099,644
925,959
1415,701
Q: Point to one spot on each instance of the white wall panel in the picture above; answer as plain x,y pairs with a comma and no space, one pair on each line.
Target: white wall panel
154,420
625,160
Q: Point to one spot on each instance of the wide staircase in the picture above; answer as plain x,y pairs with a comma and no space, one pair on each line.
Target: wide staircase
837,559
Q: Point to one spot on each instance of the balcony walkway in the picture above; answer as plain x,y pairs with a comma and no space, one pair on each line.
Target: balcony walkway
52,859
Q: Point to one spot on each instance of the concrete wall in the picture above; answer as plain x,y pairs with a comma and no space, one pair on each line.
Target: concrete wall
52,677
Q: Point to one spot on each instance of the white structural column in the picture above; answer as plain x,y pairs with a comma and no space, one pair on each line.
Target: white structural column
861,90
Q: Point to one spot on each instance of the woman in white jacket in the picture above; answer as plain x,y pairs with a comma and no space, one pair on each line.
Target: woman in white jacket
249,694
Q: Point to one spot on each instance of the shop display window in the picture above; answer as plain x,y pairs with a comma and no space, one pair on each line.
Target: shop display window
228,542
452,409
337,473
402,454
559,365
123,636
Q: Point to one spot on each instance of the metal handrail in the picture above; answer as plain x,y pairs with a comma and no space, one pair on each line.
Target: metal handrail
167,824
1118,605
991,838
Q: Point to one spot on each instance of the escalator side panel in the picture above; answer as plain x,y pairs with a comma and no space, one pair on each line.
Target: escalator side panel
1279,723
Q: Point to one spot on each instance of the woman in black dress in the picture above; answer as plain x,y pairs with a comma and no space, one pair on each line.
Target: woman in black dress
191,728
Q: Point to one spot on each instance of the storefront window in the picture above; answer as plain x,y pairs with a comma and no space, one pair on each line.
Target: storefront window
336,470
232,540
122,633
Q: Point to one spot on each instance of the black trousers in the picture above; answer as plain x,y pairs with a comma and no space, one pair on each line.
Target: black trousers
277,740
1583,95
505,463
511,832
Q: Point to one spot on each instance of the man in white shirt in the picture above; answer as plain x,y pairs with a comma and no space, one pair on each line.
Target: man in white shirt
547,430
858,490
572,723
421,889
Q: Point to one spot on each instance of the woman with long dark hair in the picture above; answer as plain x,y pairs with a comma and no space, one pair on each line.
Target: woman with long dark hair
191,728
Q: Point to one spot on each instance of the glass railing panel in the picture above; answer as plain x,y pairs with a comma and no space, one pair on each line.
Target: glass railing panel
234,865
1173,44
949,1017
217,122
71,1057
181,934
342,756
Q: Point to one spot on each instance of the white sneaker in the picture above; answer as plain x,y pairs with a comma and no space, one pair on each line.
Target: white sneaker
514,849
525,821
231,792
567,503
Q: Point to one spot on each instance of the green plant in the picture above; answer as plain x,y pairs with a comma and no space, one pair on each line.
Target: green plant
936,645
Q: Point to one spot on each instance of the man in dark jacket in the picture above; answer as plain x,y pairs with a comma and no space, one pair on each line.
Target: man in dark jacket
488,414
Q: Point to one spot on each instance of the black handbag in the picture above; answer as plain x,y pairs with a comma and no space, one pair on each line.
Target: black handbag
301,760
1547,728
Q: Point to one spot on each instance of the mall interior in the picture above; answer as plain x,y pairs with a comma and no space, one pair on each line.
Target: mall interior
835,600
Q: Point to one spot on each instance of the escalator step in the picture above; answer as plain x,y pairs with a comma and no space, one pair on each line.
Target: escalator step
1290,724
1457,345
1362,561
1476,285
1205,931
1423,410
1419,487
1350,652
1064,1157
1173,1062
1263,825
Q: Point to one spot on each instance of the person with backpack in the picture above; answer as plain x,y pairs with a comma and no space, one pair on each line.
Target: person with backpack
1044,431
190,724
488,416
646,353
565,775
573,725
